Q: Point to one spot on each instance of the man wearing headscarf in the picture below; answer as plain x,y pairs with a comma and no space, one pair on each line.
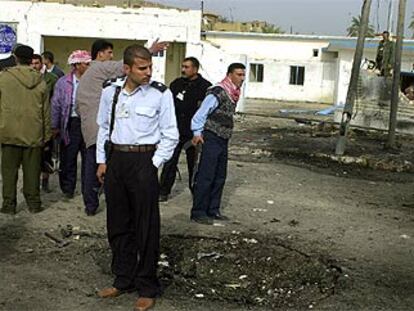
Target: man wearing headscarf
212,126
67,124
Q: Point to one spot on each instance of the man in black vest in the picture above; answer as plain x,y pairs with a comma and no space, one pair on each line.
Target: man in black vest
188,91
212,126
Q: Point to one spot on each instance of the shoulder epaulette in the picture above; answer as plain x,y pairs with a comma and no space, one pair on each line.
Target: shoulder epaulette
159,86
112,80
108,82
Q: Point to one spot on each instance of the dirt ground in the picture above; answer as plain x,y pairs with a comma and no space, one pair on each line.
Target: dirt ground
308,231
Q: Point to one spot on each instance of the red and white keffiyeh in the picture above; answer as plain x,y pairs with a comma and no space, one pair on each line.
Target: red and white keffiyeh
79,56
231,89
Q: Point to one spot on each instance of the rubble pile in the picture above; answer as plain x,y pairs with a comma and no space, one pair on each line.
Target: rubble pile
244,270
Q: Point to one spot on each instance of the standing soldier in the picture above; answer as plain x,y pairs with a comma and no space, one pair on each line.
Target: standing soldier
188,91
66,122
24,128
137,124
385,55
212,126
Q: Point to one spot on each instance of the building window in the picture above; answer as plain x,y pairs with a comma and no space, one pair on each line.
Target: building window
297,75
315,52
256,73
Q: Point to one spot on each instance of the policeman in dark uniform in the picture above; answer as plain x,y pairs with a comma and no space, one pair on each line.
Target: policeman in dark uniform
141,134
188,91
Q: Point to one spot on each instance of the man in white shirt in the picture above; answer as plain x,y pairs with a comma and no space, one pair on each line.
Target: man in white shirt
137,121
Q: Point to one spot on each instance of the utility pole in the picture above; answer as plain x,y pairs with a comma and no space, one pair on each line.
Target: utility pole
396,75
202,15
390,16
353,84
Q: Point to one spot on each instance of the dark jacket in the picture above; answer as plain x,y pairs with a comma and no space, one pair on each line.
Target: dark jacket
192,94
57,71
7,62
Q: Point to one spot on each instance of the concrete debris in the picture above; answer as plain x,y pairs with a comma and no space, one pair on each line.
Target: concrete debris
212,255
387,164
250,241
58,242
261,210
218,224
164,264
293,223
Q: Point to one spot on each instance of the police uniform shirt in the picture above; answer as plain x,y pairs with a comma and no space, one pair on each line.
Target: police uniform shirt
144,116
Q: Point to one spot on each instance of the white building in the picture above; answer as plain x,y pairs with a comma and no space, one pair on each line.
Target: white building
63,28
298,68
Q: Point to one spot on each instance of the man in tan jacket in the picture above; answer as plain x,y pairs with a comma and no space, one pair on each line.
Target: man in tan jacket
24,127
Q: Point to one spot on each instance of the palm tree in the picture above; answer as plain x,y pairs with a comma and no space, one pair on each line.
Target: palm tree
353,29
411,26
270,28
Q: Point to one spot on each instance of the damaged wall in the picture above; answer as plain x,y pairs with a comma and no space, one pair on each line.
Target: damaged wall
345,67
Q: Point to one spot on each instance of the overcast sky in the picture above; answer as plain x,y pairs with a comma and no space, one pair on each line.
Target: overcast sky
324,17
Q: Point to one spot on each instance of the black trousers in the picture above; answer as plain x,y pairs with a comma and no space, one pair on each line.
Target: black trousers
133,221
211,176
69,158
169,170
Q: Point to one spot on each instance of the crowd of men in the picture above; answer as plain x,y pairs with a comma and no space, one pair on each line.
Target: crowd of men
125,126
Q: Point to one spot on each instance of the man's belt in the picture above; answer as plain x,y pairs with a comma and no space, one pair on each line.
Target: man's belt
134,148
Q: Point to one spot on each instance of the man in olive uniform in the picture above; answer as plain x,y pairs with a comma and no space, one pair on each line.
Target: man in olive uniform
385,55
25,125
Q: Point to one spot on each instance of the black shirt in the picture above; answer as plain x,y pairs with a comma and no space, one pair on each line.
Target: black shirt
188,95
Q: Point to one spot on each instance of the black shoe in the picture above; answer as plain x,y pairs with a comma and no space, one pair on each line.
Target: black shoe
45,185
36,209
163,198
203,220
220,217
68,195
11,210
90,213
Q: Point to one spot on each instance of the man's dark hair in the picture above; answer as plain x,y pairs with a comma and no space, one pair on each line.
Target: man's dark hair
385,32
37,56
23,61
235,66
49,56
23,55
99,46
136,51
193,61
